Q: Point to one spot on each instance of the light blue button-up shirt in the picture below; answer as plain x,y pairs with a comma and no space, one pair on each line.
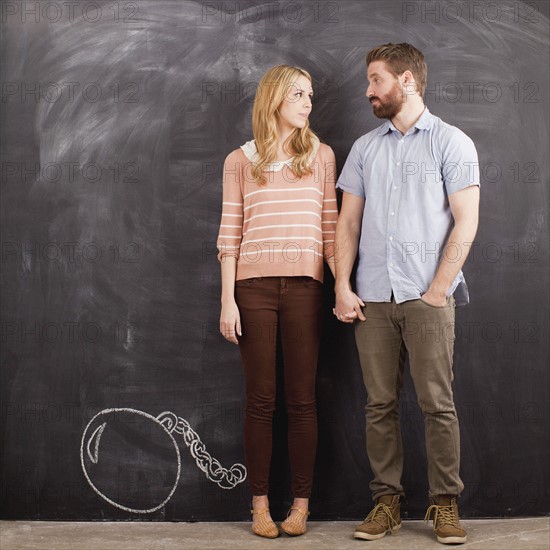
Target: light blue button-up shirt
405,181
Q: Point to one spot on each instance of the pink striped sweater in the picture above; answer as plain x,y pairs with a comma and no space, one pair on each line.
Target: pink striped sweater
285,228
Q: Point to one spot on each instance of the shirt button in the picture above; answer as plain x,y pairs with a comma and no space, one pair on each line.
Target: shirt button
391,264
394,188
398,163
392,214
391,238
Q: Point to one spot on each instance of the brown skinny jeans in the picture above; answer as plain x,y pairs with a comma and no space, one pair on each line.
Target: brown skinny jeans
294,304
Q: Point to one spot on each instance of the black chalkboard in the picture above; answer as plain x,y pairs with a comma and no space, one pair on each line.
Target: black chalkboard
116,118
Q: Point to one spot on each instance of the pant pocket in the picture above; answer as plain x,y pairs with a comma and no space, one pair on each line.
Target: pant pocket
248,282
449,301
310,282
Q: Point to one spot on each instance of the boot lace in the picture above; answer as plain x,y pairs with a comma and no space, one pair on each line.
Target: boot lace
444,515
381,514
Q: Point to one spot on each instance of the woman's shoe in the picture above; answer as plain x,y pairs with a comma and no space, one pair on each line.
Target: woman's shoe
264,527
293,526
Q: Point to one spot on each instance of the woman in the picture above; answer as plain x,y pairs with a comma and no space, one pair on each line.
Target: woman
278,223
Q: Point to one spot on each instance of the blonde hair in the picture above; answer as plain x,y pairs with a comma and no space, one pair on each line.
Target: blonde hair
272,91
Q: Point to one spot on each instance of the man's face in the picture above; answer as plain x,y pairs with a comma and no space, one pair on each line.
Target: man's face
384,92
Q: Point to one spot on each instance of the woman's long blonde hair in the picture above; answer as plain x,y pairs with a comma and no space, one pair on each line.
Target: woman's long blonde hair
272,90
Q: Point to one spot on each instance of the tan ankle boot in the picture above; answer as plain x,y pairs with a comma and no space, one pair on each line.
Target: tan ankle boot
447,525
384,518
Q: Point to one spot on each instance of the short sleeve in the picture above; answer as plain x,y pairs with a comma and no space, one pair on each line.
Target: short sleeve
460,164
351,179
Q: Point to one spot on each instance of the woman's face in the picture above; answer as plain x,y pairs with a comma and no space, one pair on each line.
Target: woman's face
296,107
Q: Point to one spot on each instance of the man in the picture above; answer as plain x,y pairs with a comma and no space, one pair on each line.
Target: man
410,209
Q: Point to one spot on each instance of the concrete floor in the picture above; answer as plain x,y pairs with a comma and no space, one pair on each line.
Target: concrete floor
508,534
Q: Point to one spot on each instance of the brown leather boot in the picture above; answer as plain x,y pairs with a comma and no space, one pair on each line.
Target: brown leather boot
447,525
384,518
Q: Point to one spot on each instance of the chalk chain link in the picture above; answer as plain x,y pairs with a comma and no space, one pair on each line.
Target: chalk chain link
225,478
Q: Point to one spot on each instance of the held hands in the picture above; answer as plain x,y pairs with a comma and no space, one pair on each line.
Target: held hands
230,322
348,306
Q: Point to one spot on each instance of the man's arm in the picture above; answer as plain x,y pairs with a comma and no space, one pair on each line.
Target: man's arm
465,209
348,229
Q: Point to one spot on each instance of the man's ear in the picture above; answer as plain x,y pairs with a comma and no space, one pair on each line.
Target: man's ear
409,84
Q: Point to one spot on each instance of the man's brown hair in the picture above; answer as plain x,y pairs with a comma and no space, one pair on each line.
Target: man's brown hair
399,58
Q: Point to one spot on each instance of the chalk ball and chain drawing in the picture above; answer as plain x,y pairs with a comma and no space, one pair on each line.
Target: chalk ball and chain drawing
132,460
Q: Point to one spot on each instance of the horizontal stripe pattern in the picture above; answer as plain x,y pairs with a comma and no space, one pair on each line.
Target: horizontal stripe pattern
289,221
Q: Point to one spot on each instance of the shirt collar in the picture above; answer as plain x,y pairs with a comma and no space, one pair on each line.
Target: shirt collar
385,128
251,153
424,122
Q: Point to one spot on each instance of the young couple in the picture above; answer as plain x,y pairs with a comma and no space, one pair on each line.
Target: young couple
409,211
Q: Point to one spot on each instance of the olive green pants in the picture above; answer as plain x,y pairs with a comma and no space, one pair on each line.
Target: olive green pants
427,334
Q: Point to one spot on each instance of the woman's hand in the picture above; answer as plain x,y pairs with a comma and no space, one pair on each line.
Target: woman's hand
230,321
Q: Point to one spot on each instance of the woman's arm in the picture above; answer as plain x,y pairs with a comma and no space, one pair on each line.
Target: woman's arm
229,241
230,319
329,215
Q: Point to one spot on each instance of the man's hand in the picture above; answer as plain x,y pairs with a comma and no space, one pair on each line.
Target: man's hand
230,322
348,306
434,298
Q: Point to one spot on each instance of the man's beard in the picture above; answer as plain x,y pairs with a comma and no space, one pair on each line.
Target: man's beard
390,105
